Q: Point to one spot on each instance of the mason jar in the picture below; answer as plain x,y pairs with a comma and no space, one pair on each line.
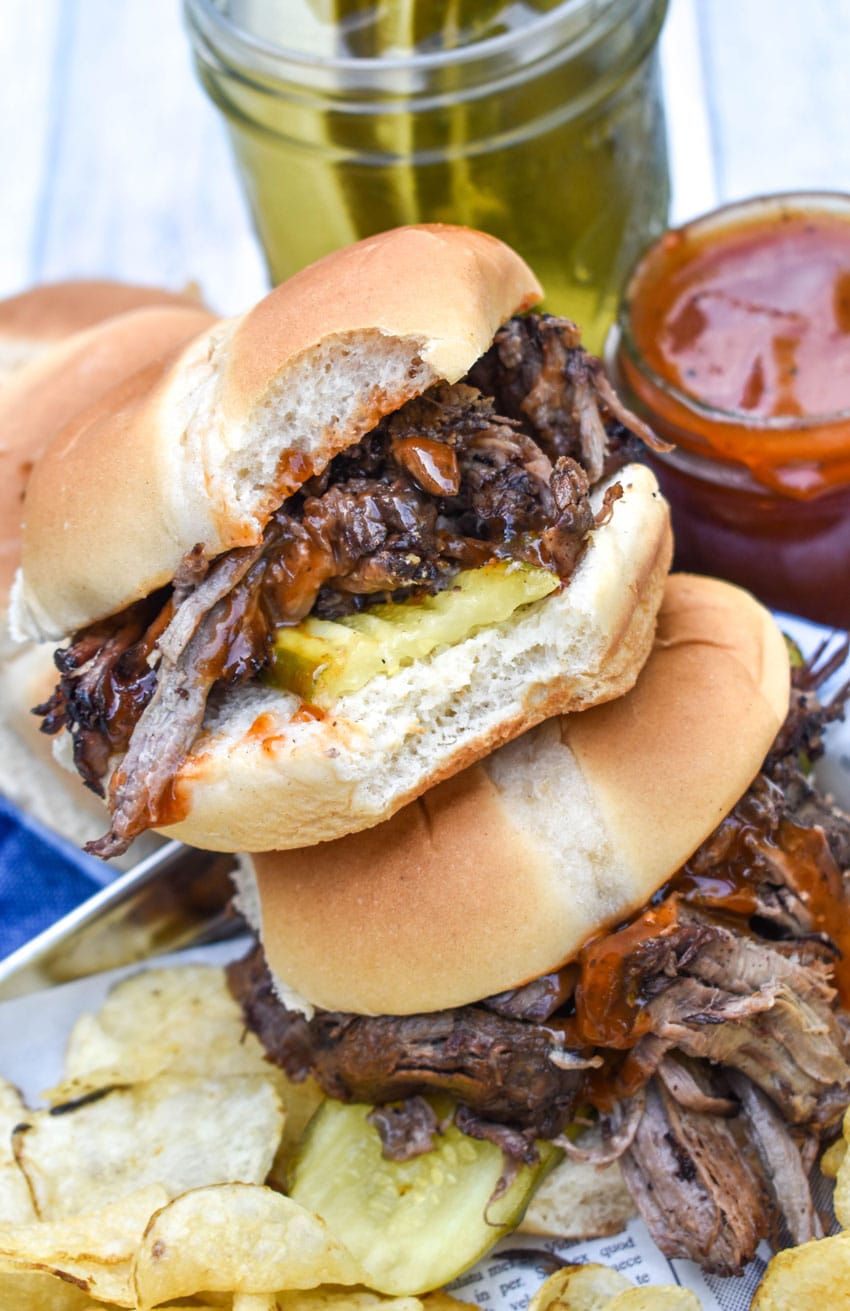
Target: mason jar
541,123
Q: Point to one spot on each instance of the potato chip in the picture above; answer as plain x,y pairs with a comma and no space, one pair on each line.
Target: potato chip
89,1048
15,1200
832,1158
440,1300
183,1021
238,1238
255,1302
579,1288
96,1250
841,1198
812,1277
28,1291
176,1132
660,1297
351,1299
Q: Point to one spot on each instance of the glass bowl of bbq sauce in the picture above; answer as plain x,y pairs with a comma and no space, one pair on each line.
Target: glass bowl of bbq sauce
733,341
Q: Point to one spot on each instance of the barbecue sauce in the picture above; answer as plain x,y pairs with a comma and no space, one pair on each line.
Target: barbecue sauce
735,344
813,874
609,1005
431,464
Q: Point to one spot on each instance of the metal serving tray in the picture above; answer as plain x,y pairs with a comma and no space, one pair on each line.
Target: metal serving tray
176,897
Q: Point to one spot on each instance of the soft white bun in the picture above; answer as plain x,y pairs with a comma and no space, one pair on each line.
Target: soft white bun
44,395
503,872
35,320
35,403
203,446
263,774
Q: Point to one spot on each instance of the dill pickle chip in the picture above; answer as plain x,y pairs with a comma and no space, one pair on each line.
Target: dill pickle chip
317,654
411,1225
321,660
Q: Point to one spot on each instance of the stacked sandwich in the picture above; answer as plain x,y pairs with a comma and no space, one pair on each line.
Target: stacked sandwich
334,580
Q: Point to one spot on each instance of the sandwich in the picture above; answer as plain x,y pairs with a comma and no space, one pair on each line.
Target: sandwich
35,403
40,318
625,933
333,551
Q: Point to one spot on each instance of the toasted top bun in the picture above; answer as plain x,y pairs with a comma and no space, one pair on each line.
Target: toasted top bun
203,446
43,395
37,319
503,872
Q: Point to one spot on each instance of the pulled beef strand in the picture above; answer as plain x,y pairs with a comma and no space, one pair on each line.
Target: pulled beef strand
782,1164
105,682
443,484
172,718
697,1185
716,1055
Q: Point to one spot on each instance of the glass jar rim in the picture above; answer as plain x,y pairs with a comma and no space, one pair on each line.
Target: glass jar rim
752,207
567,14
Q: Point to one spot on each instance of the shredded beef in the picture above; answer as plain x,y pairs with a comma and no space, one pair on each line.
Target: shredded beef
407,1129
782,1164
500,1068
540,376
519,1146
698,1187
536,1000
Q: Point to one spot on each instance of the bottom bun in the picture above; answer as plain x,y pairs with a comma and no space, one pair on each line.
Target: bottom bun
580,1200
268,774
503,872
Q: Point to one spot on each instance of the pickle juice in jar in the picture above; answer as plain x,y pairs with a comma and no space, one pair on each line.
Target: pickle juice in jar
538,121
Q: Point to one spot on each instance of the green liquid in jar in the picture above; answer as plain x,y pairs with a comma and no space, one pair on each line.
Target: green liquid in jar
559,151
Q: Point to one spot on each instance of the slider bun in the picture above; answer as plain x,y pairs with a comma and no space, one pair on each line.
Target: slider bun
203,446
37,319
42,396
503,872
34,403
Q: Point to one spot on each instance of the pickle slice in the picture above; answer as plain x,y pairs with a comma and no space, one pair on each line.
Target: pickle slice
412,1225
322,660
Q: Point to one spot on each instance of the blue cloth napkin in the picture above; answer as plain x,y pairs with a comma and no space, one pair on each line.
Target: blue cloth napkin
42,877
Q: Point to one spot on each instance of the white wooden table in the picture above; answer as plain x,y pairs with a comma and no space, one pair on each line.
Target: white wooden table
113,163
